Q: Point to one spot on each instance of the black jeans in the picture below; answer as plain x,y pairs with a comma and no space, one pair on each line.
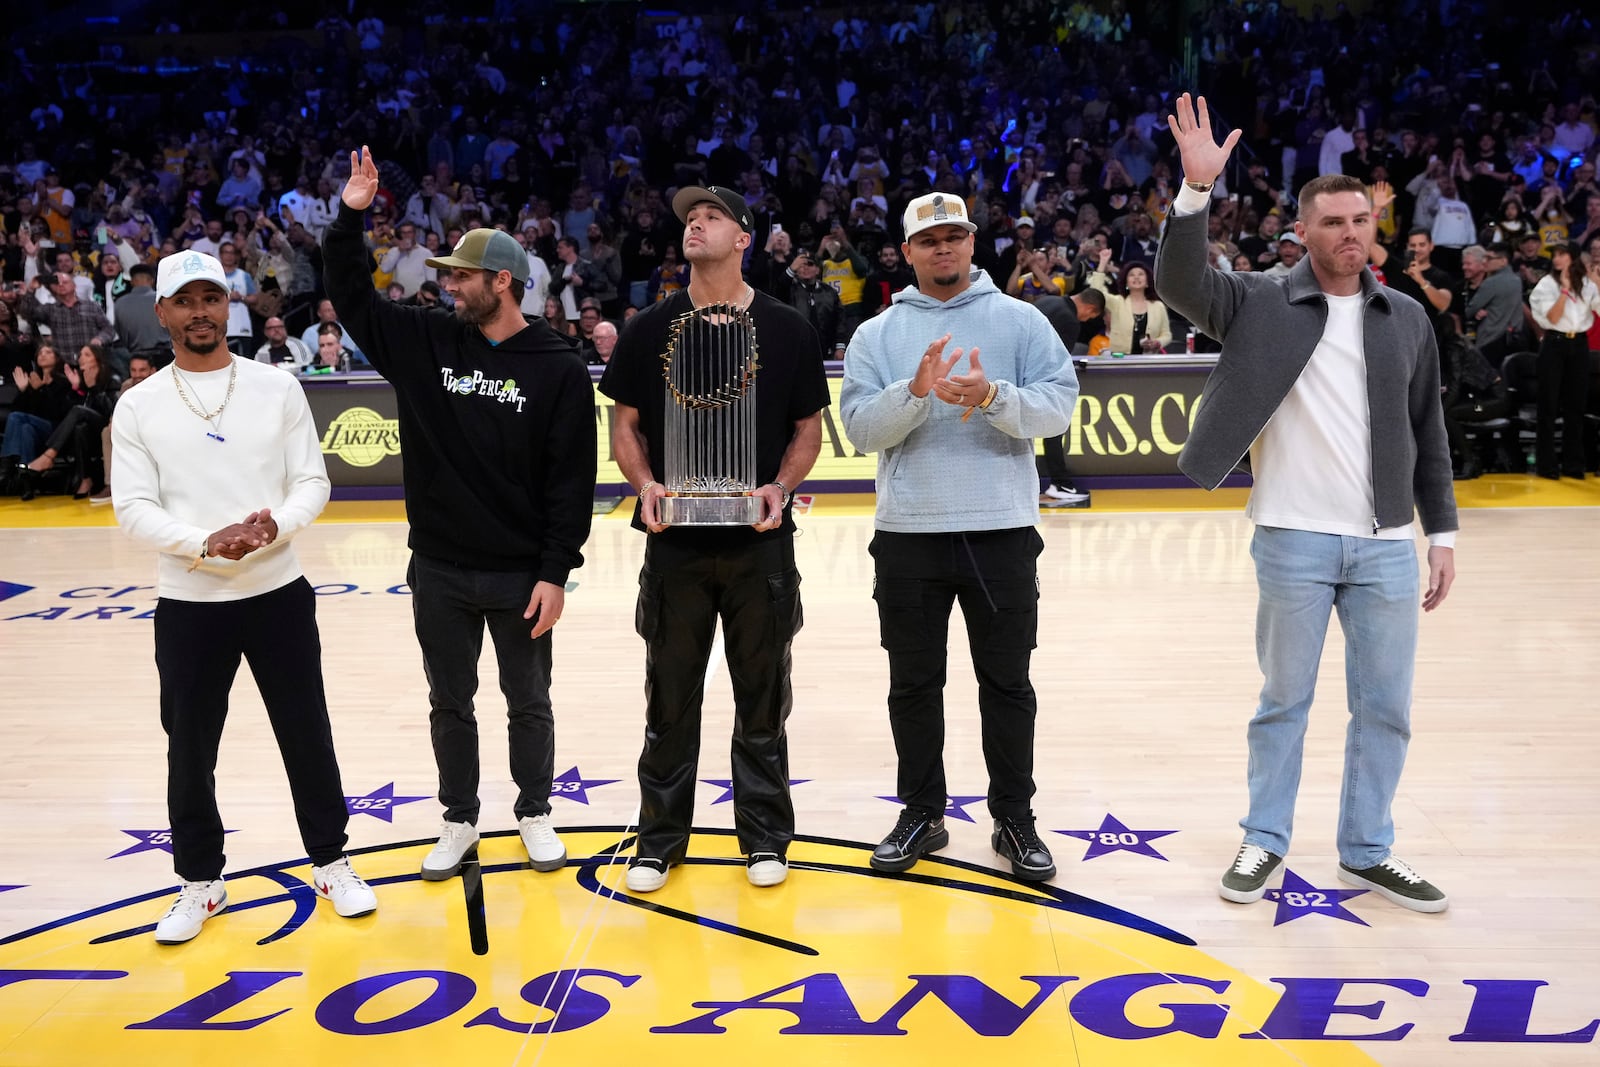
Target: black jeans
994,574
754,588
198,647
450,605
1563,393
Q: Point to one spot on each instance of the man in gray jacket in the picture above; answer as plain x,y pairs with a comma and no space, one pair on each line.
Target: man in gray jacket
1330,384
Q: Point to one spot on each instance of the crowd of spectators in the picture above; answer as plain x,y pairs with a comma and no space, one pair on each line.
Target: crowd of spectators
570,126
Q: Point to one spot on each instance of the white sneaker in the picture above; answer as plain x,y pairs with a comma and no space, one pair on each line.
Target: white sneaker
646,875
545,850
455,838
766,869
197,902
1063,496
339,883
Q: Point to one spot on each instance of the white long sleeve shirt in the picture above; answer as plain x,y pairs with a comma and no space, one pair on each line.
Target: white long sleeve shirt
1578,314
174,486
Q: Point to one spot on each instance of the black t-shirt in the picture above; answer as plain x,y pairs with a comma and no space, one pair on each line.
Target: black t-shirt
790,385
1396,278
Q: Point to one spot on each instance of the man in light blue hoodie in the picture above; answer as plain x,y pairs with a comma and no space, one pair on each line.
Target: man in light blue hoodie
958,499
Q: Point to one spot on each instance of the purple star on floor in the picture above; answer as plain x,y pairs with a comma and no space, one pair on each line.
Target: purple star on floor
1112,836
954,809
574,786
9,888
726,786
380,803
1298,897
151,841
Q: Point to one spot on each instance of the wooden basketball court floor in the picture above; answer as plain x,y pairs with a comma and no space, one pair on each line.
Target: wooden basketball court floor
1146,677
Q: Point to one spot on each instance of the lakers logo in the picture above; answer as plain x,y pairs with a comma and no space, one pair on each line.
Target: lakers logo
362,437
838,966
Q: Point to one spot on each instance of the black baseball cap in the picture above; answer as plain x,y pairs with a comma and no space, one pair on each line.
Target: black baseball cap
720,195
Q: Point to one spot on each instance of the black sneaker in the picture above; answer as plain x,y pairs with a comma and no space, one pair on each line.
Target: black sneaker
1394,880
918,830
646,874
765,869
1245,882
1015,839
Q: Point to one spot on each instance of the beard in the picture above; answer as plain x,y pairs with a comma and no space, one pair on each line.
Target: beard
202,348
952,278
476,308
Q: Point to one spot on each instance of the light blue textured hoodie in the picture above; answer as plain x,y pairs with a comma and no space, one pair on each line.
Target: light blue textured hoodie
937,474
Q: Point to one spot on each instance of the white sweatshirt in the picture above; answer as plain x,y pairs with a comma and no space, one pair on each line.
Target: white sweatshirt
174,486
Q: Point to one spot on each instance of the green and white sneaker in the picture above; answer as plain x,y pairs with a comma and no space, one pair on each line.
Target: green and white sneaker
1394,880
1245,882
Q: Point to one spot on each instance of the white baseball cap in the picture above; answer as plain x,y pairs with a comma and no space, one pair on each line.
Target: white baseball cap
936,209
179,269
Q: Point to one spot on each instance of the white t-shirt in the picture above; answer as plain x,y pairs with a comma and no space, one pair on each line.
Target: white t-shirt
1312,462
240,281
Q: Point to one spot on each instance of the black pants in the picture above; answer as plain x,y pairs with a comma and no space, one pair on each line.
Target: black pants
79,433
1055,460
994,575
1563,393
754,588
198,647
450,606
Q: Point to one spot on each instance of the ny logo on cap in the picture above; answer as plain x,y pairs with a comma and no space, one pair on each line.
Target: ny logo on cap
937,210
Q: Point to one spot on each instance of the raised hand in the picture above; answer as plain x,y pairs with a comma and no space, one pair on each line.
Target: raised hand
1203,159
1382,196
362,187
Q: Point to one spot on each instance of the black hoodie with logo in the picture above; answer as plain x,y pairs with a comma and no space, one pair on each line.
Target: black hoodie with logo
498,441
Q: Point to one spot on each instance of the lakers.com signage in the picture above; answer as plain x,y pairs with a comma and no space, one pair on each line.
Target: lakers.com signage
948,965
1131,421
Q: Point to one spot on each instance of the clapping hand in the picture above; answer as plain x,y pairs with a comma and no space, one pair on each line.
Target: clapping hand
964,390
933,367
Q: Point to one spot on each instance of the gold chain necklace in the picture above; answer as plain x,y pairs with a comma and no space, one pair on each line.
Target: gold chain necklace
215,433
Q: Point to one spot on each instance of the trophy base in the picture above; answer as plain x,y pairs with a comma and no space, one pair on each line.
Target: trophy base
740,510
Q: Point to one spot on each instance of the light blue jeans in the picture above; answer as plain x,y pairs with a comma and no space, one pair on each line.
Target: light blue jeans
1374,587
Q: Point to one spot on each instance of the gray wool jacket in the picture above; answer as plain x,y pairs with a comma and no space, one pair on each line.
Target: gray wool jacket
1268,328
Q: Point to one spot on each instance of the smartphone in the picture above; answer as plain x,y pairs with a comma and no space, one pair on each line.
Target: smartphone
777,227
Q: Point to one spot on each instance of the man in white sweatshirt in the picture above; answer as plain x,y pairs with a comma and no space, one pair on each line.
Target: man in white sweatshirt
217,467
957,502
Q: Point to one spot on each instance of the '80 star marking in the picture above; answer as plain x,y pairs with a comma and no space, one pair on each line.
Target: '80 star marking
1112,836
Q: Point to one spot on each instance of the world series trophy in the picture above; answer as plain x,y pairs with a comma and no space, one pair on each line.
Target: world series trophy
710,366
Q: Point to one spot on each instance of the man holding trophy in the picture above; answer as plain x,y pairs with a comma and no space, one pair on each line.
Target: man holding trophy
719,393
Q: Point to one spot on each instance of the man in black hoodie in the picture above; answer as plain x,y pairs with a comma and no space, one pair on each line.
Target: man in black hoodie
497,428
